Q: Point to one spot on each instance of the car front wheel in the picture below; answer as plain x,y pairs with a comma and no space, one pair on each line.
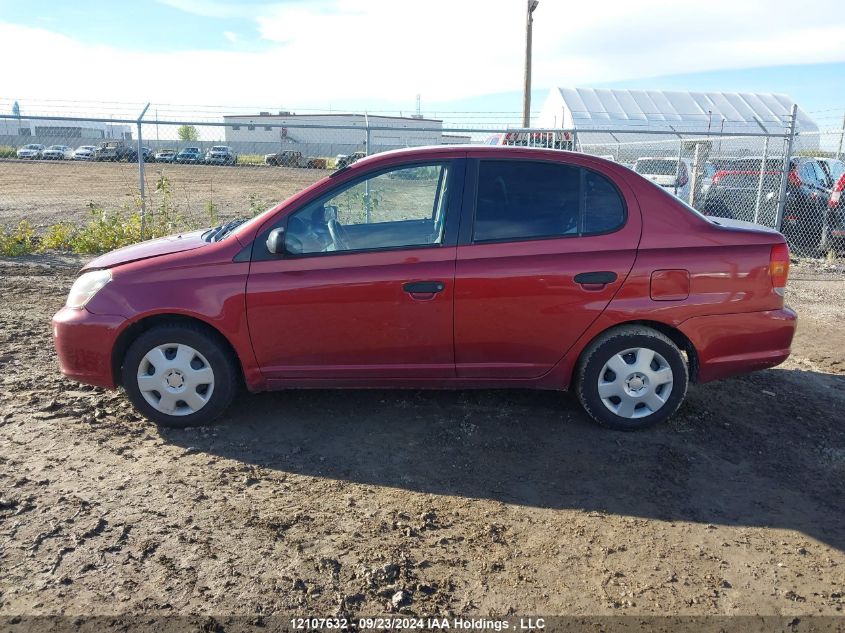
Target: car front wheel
631,377
179,375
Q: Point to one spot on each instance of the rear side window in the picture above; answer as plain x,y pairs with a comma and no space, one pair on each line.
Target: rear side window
656,167
521,200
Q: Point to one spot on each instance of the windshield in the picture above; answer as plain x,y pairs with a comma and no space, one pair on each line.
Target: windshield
191,150
656,166
219,148
30,146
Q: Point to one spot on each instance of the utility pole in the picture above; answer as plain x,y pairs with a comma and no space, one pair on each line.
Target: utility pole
526,90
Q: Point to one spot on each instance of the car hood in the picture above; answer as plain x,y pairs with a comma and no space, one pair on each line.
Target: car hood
148,249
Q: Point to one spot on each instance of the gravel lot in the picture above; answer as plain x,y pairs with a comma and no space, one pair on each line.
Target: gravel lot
468,503
46,192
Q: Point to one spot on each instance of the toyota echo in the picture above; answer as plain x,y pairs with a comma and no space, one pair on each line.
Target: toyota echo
442,267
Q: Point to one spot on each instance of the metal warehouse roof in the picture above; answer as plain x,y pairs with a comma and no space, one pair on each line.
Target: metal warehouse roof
642,110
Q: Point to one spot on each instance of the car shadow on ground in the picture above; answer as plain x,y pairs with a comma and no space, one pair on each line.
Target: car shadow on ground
741,452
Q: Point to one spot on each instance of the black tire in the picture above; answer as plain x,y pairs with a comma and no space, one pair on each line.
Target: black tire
617,340
227,377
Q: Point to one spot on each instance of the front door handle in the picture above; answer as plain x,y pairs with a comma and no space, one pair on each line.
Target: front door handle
598,278
424,287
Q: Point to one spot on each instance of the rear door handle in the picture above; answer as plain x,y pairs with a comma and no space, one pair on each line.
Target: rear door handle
423,287
596,278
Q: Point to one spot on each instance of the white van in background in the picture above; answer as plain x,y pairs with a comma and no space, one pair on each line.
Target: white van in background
668,172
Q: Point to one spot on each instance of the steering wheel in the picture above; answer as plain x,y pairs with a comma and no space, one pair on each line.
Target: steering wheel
339,235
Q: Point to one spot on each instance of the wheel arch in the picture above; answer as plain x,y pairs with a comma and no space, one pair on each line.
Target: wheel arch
136,328
672,333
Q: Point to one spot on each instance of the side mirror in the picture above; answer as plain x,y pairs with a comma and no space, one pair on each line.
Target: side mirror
276,241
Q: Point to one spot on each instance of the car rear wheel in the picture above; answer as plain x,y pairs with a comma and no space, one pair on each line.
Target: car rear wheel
631,378
179,375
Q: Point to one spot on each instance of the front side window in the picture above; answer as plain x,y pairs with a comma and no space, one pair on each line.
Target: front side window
520,200
405,206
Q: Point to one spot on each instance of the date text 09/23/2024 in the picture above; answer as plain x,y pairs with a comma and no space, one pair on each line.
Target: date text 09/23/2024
419,623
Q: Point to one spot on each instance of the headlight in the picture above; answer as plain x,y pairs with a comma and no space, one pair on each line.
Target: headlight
86,286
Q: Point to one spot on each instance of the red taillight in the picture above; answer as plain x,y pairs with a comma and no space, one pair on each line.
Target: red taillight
837,192
779,267
794,178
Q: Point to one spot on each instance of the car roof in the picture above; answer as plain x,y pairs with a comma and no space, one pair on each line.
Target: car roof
474,151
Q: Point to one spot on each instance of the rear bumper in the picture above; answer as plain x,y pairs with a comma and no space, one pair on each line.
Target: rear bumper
730,344
84,343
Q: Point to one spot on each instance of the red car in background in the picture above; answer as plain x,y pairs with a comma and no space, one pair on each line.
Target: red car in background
834,231
441,267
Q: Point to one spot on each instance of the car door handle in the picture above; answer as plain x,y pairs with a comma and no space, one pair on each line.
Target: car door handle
423,287
595,278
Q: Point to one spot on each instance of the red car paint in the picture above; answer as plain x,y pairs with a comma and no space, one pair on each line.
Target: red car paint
510,314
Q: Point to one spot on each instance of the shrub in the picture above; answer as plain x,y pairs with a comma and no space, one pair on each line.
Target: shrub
17,242
213,212
7,151
106,231
59,237
250,159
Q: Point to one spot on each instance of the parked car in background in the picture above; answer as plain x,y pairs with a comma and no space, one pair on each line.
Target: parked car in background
708,172
667,172
32,151
597,280
734,194
545,140
344,160
221,155
834,234
149,155
165,156
189,155
57,152
84,152
115,151
286,158
833,168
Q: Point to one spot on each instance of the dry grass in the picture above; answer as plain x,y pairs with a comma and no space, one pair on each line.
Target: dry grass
46,193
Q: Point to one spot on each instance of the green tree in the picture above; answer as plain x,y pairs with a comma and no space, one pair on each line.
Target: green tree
188,133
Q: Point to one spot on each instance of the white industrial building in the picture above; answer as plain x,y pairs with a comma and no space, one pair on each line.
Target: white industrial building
330,134
629,114
21,130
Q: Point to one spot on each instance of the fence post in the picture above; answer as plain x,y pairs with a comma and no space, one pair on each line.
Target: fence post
841,138
763,164
678,171
784,177
367,201
141,187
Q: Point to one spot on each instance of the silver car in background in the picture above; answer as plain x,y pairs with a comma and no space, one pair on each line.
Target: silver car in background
32,151
57,152
84,152
221,155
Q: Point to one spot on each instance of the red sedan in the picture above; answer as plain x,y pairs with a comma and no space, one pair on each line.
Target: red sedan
441,267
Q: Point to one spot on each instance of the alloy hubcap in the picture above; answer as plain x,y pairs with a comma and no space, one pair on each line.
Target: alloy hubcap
635,382
175,379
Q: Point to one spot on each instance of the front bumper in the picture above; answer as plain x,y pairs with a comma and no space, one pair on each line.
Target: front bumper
730,344
84,342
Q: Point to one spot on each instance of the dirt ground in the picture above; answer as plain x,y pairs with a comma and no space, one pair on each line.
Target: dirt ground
465,503
47,192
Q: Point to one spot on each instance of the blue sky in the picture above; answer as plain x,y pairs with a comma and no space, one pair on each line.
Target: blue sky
378,54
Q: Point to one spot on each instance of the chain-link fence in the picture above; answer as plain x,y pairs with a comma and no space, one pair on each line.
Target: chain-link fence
174,173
